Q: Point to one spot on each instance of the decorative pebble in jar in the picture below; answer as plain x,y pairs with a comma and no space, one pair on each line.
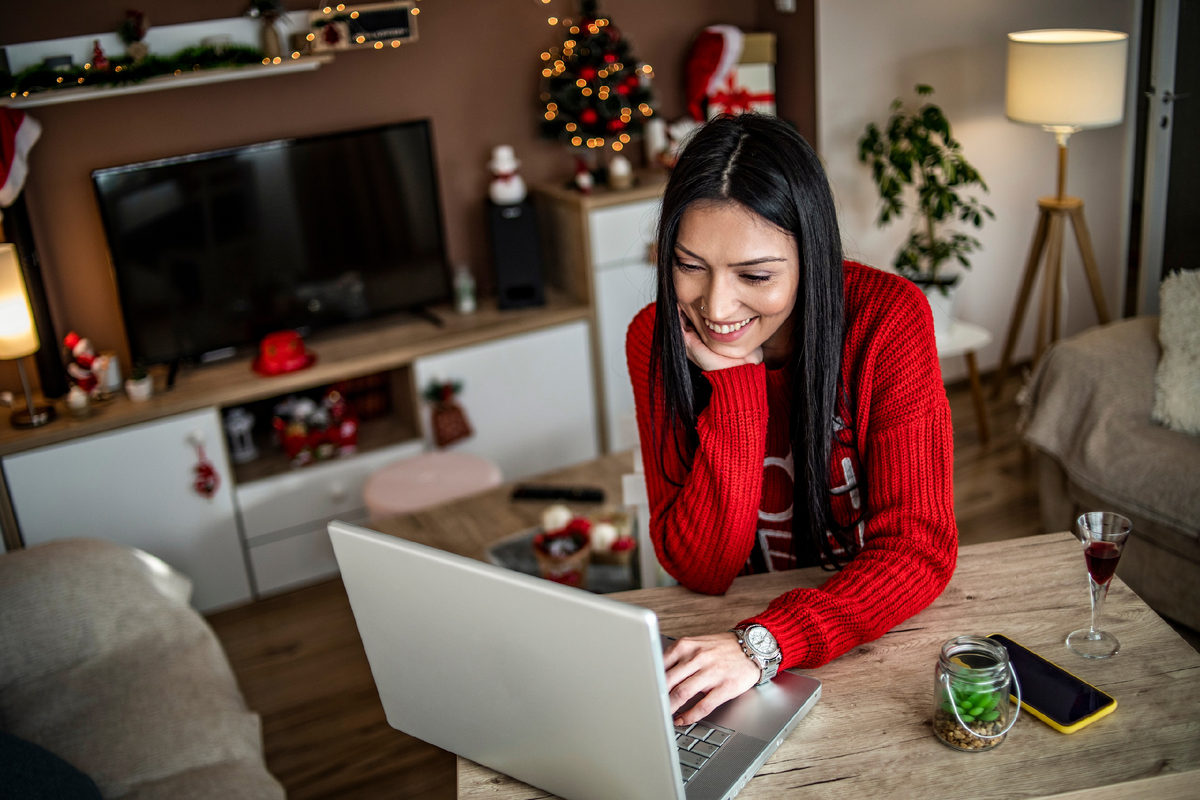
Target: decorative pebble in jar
972,683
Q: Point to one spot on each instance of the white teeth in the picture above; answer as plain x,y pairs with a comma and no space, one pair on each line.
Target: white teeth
727,328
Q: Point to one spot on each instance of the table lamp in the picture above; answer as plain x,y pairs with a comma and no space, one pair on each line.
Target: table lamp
1064,81
18,337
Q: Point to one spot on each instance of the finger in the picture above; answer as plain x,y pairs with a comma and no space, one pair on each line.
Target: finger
708,704
674,653
698,683
682,671
685,661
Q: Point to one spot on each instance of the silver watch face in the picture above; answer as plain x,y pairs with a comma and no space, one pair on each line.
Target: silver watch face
762,641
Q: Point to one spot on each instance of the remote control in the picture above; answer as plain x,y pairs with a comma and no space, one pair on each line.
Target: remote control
578,494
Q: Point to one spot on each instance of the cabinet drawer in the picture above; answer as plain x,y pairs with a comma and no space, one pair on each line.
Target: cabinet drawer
621,234
298,559
312,494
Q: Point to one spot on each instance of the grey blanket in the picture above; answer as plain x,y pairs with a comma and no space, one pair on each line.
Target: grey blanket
1089,408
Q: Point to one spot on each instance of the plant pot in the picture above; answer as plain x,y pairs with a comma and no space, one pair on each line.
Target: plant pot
942,295
139,390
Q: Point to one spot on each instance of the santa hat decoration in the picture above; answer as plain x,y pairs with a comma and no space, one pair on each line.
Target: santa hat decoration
18,133
716,50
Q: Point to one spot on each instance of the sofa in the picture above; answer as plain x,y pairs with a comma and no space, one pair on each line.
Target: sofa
104,664
1088,417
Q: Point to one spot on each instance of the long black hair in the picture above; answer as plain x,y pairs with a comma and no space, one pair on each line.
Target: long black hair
763,164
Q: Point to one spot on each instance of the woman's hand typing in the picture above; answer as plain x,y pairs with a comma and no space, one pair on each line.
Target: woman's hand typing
714,665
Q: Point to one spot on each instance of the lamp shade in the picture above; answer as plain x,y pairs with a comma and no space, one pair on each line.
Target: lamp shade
18,337
1066,78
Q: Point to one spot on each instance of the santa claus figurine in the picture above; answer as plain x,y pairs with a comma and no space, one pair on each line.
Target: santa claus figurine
82,360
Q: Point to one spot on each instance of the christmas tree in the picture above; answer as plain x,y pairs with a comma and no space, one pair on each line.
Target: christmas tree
595,90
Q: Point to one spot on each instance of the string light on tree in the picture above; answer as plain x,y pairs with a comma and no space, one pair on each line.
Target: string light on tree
595,86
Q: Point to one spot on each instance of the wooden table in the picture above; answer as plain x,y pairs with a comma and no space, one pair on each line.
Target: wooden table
871,733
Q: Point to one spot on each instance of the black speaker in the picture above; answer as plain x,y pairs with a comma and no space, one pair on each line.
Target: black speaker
517,249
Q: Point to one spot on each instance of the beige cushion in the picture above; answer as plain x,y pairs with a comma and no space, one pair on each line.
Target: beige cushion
104,664
1177,383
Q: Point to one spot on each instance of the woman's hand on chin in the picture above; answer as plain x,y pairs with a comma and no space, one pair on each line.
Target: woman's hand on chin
714,665
704,358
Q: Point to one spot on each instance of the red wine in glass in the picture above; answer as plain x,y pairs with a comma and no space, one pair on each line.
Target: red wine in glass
1102,558
1103,535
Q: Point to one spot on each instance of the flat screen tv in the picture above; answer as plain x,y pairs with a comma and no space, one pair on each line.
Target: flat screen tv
214,250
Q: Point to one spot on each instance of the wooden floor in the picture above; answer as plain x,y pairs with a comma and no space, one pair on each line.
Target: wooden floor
301,665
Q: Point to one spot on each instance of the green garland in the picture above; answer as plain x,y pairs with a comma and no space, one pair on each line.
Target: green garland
123,71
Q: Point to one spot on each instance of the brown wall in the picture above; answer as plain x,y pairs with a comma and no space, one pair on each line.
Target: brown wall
474,73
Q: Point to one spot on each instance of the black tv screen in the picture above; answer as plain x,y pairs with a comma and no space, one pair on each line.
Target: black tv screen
214,250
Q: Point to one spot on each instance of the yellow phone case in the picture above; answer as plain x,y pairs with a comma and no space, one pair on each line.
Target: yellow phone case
1088,720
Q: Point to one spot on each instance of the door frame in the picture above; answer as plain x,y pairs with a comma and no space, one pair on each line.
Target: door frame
1158,132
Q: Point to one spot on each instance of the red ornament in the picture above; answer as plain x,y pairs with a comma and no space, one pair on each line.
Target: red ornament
587,73
632,81
588,116
282,352
615,125
207,480
611,58
623,89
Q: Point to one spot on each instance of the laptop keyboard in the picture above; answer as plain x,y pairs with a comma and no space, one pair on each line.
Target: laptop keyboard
697,744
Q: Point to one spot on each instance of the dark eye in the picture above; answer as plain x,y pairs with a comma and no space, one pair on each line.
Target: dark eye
756,278
686,267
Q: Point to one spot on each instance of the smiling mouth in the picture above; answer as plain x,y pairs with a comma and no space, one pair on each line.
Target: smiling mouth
732,328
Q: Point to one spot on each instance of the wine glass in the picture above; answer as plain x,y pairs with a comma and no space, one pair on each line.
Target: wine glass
1103,535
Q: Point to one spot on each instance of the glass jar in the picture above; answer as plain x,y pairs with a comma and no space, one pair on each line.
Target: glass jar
972,684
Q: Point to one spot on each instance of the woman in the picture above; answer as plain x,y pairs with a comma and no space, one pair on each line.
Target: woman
791,413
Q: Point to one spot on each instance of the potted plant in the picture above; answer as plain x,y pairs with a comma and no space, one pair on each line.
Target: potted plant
916,149
139,385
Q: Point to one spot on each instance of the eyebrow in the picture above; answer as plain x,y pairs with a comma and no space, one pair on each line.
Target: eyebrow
752,262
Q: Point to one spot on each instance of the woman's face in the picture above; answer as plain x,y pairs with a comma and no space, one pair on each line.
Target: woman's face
736,279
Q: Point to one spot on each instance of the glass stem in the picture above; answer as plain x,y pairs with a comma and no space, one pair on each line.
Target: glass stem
1099,592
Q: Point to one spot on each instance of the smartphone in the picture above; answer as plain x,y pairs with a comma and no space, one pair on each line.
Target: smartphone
1053,695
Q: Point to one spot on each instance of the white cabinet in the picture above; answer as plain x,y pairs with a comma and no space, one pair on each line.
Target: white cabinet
624,283
621,292
134,486
530,398
284,517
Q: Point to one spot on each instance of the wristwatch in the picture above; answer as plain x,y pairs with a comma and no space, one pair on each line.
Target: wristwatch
760,647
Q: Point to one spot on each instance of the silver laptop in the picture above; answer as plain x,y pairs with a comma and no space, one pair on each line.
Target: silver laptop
559,688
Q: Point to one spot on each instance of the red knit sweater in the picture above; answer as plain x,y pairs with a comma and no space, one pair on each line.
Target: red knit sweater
737,487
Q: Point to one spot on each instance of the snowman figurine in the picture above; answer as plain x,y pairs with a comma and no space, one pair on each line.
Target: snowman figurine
507,189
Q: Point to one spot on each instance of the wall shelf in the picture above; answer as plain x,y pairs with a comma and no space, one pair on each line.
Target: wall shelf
158,84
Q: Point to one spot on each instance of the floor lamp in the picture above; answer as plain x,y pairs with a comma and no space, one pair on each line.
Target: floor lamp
1064,81
18,336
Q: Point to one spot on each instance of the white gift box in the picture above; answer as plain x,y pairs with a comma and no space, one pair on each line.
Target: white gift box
750,85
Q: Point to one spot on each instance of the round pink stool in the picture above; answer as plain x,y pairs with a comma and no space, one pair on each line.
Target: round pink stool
425,481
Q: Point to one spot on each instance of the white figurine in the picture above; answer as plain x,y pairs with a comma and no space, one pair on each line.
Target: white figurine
507,189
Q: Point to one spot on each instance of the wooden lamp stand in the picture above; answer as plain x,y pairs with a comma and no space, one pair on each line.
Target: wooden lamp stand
1053,213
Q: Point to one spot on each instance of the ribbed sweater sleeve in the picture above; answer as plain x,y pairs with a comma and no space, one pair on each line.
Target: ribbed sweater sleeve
703,513
910,541
907,559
